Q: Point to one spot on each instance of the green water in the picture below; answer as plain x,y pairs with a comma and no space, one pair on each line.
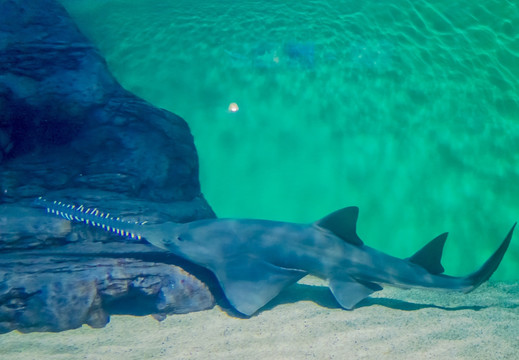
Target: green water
408,109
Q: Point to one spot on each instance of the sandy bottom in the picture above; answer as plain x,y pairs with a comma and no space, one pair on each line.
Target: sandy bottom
304,323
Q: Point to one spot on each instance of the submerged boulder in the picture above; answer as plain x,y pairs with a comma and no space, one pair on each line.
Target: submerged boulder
60,106
70,132
55,293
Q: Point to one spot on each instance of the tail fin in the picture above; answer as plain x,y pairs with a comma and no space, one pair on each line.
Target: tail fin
485,272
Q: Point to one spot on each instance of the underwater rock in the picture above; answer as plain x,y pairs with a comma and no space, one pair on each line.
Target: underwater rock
58,100
25,228
49,293
69,131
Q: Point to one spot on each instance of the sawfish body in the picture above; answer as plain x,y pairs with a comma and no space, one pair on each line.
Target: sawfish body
254,260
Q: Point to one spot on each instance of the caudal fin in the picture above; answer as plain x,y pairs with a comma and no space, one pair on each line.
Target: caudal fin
485,272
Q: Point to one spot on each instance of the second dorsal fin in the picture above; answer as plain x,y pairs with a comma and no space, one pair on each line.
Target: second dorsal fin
429,257
343,223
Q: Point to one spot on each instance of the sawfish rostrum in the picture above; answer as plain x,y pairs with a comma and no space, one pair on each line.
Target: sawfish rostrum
254,260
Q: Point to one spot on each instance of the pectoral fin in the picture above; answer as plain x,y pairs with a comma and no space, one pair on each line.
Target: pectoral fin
249,283
349,292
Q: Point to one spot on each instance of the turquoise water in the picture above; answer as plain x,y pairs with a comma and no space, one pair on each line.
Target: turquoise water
408,109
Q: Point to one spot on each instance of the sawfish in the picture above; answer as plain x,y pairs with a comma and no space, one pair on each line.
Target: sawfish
254,260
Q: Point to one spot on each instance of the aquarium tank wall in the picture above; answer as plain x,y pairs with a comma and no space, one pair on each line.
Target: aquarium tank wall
408,110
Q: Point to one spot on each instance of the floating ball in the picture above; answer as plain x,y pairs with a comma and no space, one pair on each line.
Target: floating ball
233,107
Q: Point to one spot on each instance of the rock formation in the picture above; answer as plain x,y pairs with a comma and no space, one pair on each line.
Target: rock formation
69,131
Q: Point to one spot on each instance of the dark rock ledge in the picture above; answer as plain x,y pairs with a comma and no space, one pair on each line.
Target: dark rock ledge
70,132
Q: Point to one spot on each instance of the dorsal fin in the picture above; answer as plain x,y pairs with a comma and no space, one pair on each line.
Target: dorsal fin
429,257
343,223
